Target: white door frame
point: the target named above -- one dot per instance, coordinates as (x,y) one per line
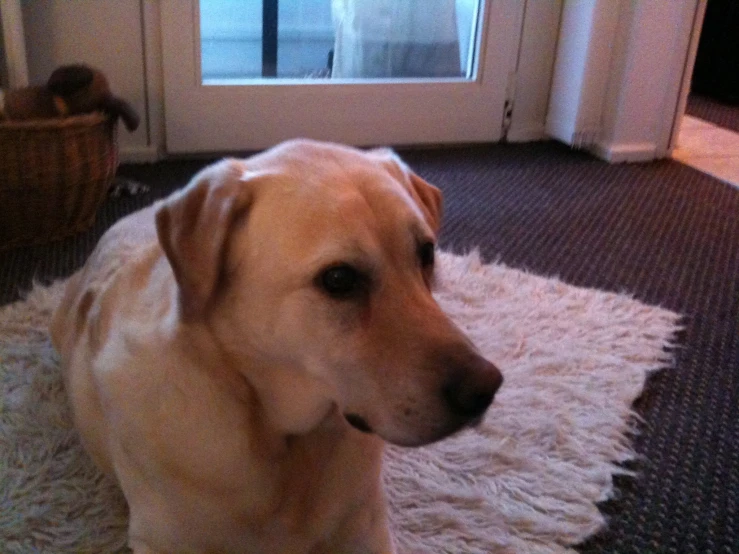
(531,84)
(16,62)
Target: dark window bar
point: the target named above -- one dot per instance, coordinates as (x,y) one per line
(269,38)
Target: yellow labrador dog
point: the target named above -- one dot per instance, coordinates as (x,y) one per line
(237,354)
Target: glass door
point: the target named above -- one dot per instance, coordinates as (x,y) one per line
(247,74)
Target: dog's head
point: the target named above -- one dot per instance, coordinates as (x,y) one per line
(312,265)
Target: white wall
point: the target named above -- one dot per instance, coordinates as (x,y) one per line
(645,79)
(618,75)
(3,65)
(106,34)
(584,52)
(15,69)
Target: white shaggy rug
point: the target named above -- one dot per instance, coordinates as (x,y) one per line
(527,480)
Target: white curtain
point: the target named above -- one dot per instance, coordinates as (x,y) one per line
(395,38)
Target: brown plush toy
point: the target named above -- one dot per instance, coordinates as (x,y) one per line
(71,90)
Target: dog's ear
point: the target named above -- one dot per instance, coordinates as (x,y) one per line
(429,198)
(426,195)
(193,227)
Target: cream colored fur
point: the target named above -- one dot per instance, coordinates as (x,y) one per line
(214,377)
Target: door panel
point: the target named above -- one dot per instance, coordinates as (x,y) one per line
(353,71)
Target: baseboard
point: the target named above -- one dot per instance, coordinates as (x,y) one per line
(582,137)
(626,153)
(139,154)
(531,133)
(560,128)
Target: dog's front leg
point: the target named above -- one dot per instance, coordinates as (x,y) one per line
(368,533)
(380,543)
(384,542)
(381,546)
(140,548)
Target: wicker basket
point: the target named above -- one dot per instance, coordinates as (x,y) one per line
(54,174)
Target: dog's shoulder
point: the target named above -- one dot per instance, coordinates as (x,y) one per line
(115,282)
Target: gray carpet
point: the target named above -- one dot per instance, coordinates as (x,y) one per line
(661,231)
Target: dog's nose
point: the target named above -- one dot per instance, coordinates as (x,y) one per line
(470,390)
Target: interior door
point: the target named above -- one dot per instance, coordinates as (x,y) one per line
(247,74)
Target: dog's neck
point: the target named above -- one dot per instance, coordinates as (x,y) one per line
(286,401)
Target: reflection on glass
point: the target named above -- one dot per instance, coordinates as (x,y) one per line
(340,39)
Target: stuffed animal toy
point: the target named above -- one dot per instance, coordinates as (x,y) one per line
(71,90)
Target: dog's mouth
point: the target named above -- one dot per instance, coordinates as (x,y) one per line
(358,422)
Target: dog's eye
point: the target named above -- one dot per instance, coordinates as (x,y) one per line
(426,253)
(340,281)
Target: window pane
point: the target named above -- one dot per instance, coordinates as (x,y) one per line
(340,39)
